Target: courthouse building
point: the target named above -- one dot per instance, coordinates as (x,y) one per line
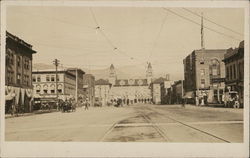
(204,74)
(130,90)
(234,62)
(18,73)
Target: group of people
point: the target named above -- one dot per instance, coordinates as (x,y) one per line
(67,105)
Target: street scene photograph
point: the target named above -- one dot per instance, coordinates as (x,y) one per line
(124,74)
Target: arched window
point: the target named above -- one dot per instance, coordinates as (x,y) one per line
(52,88)
(59,88)
(38,89)
(214,68)
(45,89)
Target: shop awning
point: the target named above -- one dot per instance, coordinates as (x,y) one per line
(188,95)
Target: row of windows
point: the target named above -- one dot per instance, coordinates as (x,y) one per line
(26,80)
(52,91)
(231,71)
(49,78)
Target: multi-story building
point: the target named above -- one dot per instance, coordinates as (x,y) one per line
(234,62)
(102,90)
(79,86)
(159,88)
(131,90)
(204,74)
(89,88)
(44,84)
(177,92)
(18,72)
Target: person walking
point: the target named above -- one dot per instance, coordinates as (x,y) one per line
(87,104)
(183,102)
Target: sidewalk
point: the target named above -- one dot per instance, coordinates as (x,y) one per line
(29,114)
(213,108)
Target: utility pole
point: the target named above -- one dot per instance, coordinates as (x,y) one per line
(202,48)
(56,63)
(76,85)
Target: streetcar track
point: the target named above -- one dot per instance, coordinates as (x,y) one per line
(108,132)
(194,128)
(157,128)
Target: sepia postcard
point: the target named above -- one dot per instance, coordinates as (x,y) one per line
(124,79)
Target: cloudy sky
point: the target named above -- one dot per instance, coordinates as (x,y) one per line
(125,36)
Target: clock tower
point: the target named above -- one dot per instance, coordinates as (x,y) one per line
(112,74)
(149,73)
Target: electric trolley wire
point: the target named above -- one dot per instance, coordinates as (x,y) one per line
(157,36)
(188,10)
(213,30)
(100,29)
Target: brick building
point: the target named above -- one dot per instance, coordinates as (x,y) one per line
(234,62)
(89,88)
(177,92)
(44,84)
(159,90)
(204,74)
(79,86)
(18,73)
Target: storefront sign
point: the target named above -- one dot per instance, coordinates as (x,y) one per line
(218,80)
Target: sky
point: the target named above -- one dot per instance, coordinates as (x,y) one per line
(126,35)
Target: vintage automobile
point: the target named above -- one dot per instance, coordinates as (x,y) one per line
(232,99)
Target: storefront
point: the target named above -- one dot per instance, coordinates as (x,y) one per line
(21,98)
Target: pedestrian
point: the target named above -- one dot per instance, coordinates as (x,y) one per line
(87,104)
(183,102)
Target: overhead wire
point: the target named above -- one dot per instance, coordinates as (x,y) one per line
(100,29)
(205,18)
(157,36)
(208,28)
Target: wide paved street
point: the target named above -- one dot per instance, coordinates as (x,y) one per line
(135,123)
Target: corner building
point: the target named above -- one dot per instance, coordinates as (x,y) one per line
(204,75)
(18,74)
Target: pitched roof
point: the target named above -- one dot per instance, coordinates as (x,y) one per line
(102,82)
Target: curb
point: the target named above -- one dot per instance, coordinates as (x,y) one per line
(30,114)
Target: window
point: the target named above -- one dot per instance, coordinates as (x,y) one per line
(214,68)
(34,78)
(27,64)
(52,88)
(38,89)
(18,61)
(234,71)
(47,78)
(18,78)
(28,78)
(45,89)
(39,78)
(59,88)
(227,72)
(202,83)
(52,78)
(202,72)
(230,72)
